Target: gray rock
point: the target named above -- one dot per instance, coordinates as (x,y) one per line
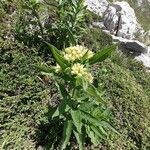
(140,51)
(131,45)
(120,20)
(144,58)
(97,6)
(99,24)
(121,23)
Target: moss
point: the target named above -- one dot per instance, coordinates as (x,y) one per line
(23,98)
(92,17)
(96,39)
(128,92)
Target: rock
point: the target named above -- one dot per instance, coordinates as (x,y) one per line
(97,6)
(133,46)
(99,25)
(140,51)
(144,58)
(139,2)
(120,20)
(121,24)
(143,2)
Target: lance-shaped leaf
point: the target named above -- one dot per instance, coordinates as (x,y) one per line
(98,132)
(44,68)
(94,121)
(108,126)
(61,109)
(71,36)
(85,56)
(67,133)
(92,92)
(80,140)
(76,117)
(88,117)
(65,102)
(58,56)
(94,138)
(62,90)
(102,55)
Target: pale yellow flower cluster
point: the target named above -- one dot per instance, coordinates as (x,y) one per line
(79,70)
(57,68)
(76,53)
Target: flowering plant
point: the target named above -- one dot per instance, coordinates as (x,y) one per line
(81,103)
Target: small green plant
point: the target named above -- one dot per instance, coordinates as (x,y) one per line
(70,24)
(79,97)
(58,22)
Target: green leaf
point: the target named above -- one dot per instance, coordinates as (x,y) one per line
(98,132)
(67,77)
(103,130)
(76,117)
(79,139)
(66,133)
(71,36)
(44,68)
(102,55)
(62,90)
(88,117)
(94,138)
(65,103)
(92,91)
(58,57)
(85,56)
(56,113)
(61,109)
(88,106)
(108,126)
(100,124)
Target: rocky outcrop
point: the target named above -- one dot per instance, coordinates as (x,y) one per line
(97,6)
(144,58)
(120,20)
(140,51)
(133,46)
(121,23)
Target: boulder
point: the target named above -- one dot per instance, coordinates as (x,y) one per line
(144,58)
(133,46)
(140,51)
(120,20)
(97,6)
